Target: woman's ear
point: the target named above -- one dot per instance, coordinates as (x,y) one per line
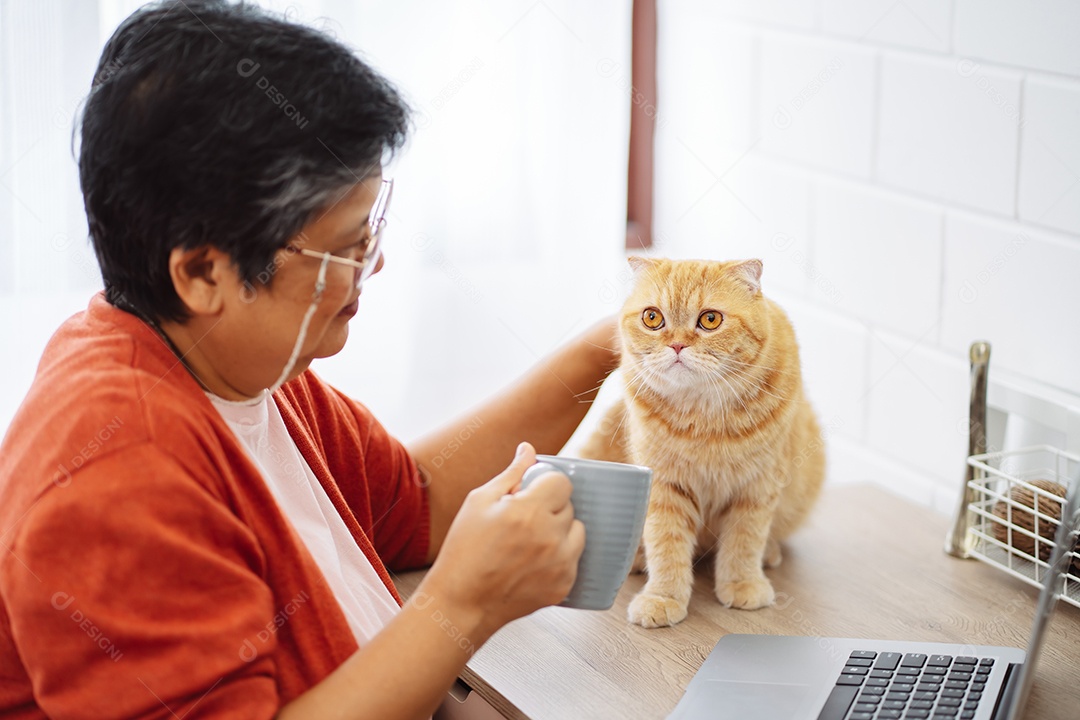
(200,278)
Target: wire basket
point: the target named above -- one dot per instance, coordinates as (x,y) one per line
(1013,513)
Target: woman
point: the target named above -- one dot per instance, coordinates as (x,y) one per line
(194,524)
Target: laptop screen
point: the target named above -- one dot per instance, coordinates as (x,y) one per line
(1053,584)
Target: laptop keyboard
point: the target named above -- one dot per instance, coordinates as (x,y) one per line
(876,685)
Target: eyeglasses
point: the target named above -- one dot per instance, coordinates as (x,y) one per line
(366,265)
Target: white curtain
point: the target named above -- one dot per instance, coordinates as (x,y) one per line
(506,231)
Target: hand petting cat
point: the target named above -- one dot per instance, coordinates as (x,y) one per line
(714,405)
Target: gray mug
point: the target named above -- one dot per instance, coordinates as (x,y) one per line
(611,499)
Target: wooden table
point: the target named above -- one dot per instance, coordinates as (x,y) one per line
(867,565)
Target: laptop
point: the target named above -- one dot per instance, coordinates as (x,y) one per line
(773,677)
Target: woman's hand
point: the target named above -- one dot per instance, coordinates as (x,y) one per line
(509,551)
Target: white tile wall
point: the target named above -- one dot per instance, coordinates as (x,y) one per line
(768,211)
(925,24)
(1018,286)
(918,406)
(880,257)
(950,131)
(690,200)
(796,13)
(833,354)
(921,164)
(1040,35)
(848,461)
(1050,154)
(817,103)
(746,207)
(700,138)
(700,49)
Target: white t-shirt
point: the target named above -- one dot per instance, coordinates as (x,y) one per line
(364,599)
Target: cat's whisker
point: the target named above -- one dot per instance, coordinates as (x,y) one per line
(759,387)
(754,382)
(595,345)
(734,392)
(744,372)
(729,359)
(723,413)
(714,385)
(639,374)
(740,374)
(644,374)
(590,390)
(723,418)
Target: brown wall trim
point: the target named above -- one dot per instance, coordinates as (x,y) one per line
(639,194)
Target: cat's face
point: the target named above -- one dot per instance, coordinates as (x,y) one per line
(692,325)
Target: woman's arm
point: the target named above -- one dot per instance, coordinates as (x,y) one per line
(476,587)
(544,408)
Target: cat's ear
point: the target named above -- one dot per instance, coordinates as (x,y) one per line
(749,271)
(638,263)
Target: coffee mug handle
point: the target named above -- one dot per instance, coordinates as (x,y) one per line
(535,471)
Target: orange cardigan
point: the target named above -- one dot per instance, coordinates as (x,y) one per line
(145,569)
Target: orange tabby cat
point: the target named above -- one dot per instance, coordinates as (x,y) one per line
(714,404)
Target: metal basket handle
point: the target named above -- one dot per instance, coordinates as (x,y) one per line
(958,541)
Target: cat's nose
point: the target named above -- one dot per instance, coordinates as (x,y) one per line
(677,347)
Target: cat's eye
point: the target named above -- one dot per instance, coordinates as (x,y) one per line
(710,320)
(652,318)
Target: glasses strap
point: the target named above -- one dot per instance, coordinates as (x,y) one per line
(316,298)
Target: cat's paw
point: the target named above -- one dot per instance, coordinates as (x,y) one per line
(746,594)
(639,560)
(773,554)
(653,611)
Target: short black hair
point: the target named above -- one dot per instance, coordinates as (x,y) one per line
(220,124)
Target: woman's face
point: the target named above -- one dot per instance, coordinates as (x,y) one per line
(252,338)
